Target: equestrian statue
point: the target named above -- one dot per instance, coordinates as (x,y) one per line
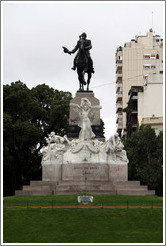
(82,61)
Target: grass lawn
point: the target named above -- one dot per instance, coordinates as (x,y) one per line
(83,225)
(62,200)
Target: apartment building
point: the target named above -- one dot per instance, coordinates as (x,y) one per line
(135,62)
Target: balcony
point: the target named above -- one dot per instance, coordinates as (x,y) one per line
(119,119)
(118,106)
(119,68)
(132,122)
(118,97)
(134,111)
(134,125)
(119,51)
(119,71)
(119,56)
(134,97)
(119,80)
(120,113)
(118,62)
(118,76)
(119,88)
(119,84)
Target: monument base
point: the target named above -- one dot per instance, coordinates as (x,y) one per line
(85,179)
(85,171)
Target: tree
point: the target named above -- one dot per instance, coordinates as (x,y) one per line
(29,116)
(145,154)
(51,109)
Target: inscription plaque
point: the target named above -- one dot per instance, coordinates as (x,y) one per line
(85,199)
(85,172)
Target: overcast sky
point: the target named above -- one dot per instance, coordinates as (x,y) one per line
(33,34)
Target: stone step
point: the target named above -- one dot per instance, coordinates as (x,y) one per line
(141,187)
(32,192)
(136,192)
(97,192)
(40,182)
(83,192)
(83,182)
(127,183)
(84,187)
(38,187)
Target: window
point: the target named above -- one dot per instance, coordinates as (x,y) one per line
(146,56)
(146,76)
(153,56)
(119,90)
(147,67)
(157,56)
(153,67)
(145,79)
(120,121)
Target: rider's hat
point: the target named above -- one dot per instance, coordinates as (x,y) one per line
(84,34)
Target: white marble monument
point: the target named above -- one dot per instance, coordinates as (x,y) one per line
(85,157)
(84,165)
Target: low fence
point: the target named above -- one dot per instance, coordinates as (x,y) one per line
(75,204)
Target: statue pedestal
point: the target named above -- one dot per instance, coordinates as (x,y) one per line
(97,126)
(85,172)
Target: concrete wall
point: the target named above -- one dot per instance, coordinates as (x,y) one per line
(150,102)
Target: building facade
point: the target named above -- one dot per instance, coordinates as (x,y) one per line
(150,102)
(135,62)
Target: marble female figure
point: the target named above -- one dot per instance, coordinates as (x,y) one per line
(86,112)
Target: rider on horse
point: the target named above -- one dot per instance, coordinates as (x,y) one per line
(86,44)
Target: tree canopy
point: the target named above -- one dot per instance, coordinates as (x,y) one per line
(145,154)
(29,116)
